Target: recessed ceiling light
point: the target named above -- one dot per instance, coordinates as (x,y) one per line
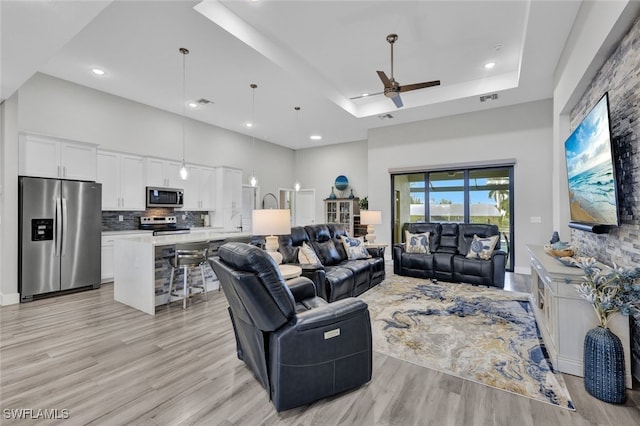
(97,71)
(192,105)
(248,124)
(315,137)
(489,65)
(364,95)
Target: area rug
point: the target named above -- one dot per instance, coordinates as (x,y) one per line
(485,335)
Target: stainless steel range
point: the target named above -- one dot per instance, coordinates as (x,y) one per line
(162,225)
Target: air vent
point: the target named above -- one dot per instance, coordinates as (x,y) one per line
(491,97)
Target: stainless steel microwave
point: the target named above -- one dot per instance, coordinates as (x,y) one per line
(164,197)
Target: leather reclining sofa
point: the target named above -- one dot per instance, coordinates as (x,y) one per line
(336,277)
(449,244)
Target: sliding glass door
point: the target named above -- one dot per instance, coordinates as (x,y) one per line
(482,195)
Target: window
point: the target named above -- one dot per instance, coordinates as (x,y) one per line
(481,195)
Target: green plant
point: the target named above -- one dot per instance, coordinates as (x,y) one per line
(610,290)
(363,203)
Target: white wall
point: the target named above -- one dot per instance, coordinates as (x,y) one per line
(59,108)
(319,167)
(9,203)
(55,107)
(521,132)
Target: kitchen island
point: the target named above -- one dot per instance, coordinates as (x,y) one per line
(137,260)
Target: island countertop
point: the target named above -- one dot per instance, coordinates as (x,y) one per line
(200,235)
(135,257)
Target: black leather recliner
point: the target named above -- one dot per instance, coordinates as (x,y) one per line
(299,347)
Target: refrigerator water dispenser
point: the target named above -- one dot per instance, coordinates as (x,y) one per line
(41,229)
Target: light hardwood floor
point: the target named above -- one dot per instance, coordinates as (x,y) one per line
(110,364)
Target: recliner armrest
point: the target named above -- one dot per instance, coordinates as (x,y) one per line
(331,313)
(301,288)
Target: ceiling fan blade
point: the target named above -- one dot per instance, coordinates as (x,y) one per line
(419,86)
(396,100)
(385,79)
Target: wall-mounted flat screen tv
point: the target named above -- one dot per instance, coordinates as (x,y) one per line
(591,171)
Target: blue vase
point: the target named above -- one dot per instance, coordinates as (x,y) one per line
(332,196)
(604,365)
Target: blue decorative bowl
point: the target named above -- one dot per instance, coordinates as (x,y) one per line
(341,183)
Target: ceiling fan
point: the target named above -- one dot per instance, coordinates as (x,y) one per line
(392,88)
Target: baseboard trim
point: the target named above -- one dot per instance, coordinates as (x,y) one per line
(523,270)
(9,299)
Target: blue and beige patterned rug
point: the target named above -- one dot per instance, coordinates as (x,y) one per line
(485,335)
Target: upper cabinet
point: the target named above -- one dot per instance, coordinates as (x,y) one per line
(164,173)
(200,188)
(228,198)
(123,180)
(49,157)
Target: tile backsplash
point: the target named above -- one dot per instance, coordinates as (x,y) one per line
(131,219)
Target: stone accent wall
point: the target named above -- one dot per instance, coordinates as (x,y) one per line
(619,77)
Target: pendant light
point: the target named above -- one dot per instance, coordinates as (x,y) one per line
(297,185)
(184,173)
(252,180)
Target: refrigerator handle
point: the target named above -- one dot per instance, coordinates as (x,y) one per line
(64,226)
(58,226)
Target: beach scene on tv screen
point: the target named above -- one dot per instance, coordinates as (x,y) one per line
(592,192)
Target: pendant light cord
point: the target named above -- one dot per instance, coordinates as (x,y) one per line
(185,52)
(253,133)
(297,168)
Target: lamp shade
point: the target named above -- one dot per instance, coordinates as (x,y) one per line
(271,222)
(371,217)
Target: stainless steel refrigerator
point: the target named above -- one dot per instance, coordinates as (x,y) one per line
(60,224)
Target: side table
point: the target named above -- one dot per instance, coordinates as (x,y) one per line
(290,271)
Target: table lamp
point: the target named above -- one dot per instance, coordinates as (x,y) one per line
(272,222)
(370,218)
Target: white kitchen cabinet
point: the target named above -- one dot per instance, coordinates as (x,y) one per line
(228,198)
(200,189)
(45,156)
(123,180)
(108,251)
(564,316)
(163,173)
(107,259)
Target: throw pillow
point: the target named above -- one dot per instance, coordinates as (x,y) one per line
(354,247)
(482,248)
(307,256)
(416,243)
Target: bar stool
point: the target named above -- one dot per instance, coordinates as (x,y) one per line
(188,256)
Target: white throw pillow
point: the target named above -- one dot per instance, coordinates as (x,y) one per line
(307,256)
(354,247)
(416,243)
(482,248)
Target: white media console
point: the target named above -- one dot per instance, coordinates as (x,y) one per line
(564,316)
